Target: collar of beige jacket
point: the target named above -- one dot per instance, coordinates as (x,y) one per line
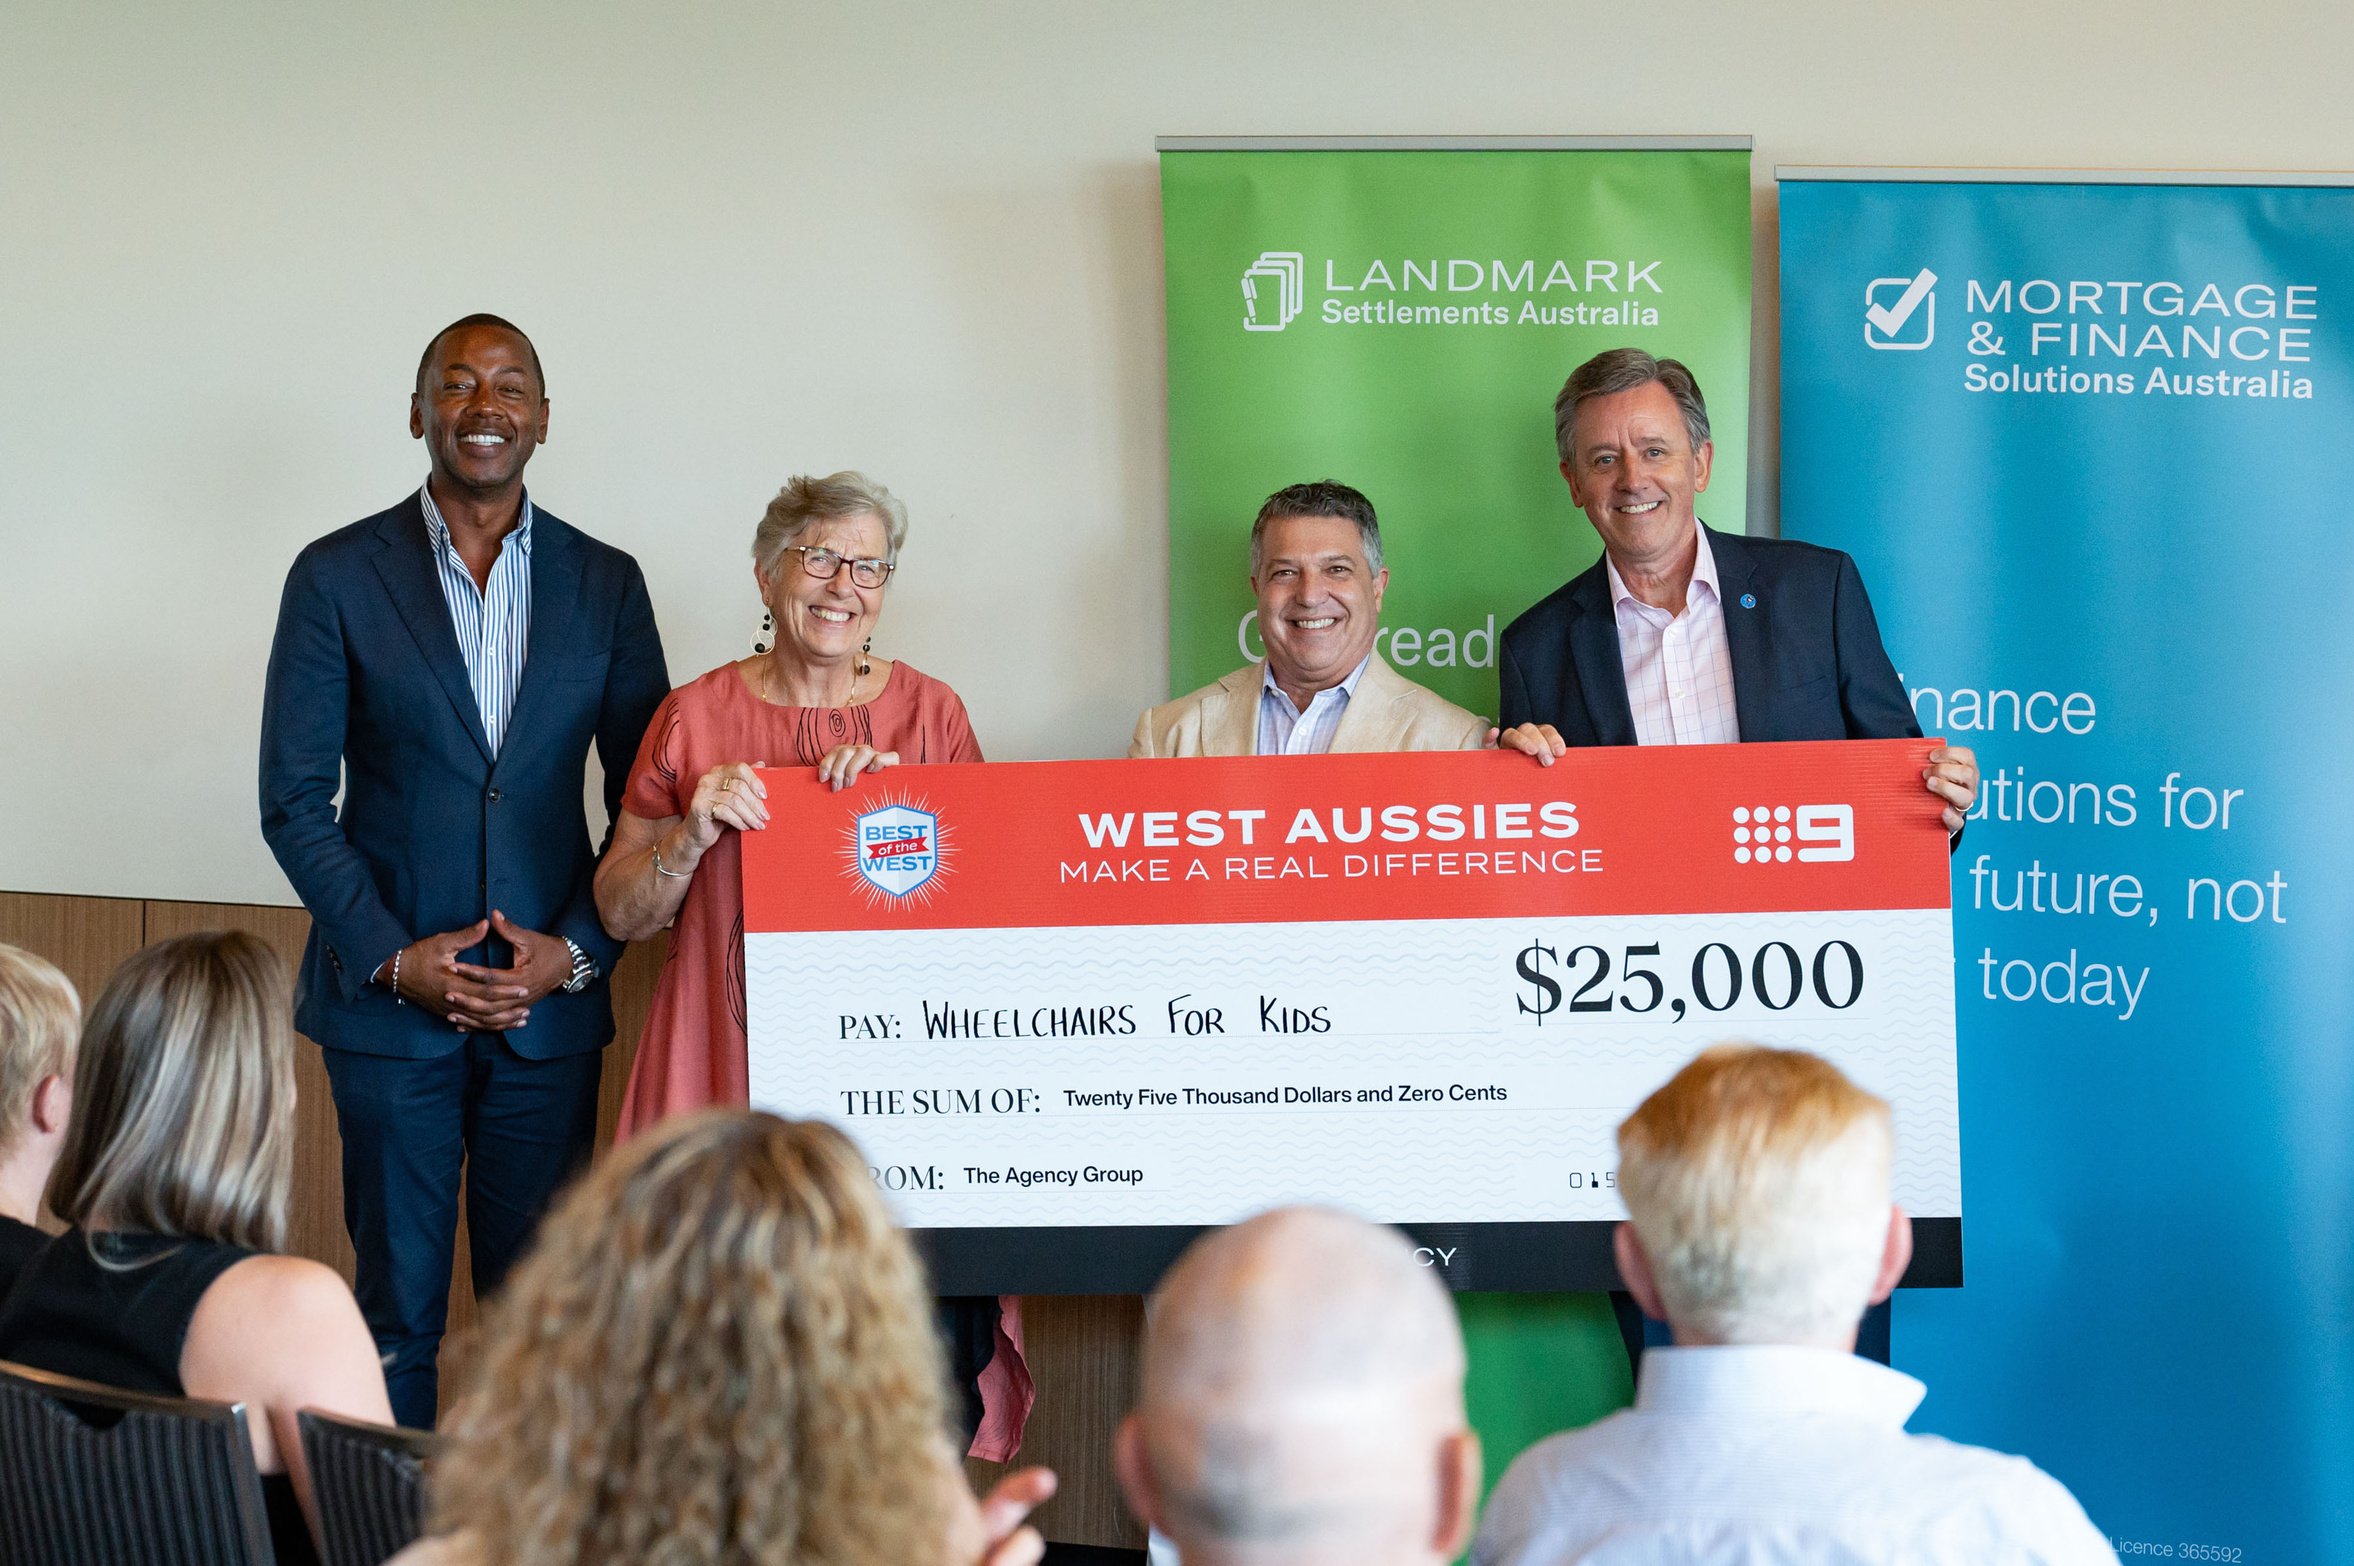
(1236,726)
(1230,720)
(1367,723)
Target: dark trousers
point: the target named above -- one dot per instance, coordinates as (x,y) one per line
(968,1325)
(519,1129)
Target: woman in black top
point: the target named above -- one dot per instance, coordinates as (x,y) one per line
(40,1018)
(174,1176)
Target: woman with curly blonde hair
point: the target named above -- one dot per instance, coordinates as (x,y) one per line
(721,1351)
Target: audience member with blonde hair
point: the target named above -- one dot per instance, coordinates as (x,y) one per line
(1302,1402)
(40,1021)
(174,1176)
(1761,1227)
(721,1351)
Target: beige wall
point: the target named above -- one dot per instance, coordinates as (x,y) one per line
(922,239)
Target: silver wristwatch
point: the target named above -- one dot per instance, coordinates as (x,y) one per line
(584,972)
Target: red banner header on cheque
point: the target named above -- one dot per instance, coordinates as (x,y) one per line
(1439,835)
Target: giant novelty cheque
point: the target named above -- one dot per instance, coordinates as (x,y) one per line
(1075,1011)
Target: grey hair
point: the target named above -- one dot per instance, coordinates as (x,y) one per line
(1616,370)
(183,1118)
(804,500)
(40,1021)
(1324,498)
(1276,1338)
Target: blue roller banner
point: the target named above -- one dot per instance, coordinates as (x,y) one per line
(2092,446)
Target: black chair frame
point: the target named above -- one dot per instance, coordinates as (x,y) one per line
(92,1475)
(368,1481)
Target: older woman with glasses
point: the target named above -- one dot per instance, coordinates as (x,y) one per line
(812,694)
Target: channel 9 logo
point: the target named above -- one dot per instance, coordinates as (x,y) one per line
(1285,271)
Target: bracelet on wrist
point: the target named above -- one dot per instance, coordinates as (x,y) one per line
(663,870)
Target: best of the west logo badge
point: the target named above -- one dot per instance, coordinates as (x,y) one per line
(896,851)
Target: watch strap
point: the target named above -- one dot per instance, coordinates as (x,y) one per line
(584,969)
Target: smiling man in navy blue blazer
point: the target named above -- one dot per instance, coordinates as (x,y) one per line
(1680,634)
(447,664)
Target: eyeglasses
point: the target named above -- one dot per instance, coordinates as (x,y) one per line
(825,564)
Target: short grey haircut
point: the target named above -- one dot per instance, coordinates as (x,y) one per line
(804,500)
(1270,1342)
(1758,1181)
(40,1024)
(1616,370)
(1324,498)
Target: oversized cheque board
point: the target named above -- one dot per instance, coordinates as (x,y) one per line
(1075,1011)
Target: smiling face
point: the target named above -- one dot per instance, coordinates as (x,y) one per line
(822,623)
(1634,473)
(1319,603)
(479,408)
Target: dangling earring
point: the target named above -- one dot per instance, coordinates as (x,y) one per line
(865,668)
(764,639)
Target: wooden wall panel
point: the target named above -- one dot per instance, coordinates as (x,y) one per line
(84,936)
(633,996)
(1084,1352)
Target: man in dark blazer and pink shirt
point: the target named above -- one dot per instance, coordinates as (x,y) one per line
(1682,635)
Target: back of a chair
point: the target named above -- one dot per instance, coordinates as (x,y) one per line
(92,1476)
(369,1483)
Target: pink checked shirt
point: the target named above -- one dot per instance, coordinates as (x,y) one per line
(1679,667)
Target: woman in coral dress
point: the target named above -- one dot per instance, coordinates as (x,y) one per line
(815,698)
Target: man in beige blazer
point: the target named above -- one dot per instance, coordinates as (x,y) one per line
(1316,567)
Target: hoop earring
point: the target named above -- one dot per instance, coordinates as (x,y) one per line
(764,639)
(865,668)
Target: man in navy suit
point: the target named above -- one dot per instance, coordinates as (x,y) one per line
(1682,635)
(447,664)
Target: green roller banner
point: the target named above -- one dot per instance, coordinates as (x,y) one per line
(1400,319)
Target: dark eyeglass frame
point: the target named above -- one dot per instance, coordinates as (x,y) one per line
(826,564)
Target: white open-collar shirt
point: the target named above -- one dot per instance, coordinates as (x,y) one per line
(1679,667)
(1284,730)
(1761,1455)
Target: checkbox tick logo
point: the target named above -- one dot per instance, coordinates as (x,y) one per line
(1890,306)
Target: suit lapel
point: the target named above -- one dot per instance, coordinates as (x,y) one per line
(1593,651)
(1230,719)
(555,602)
(1366,723)
(1748,633)
(414,584)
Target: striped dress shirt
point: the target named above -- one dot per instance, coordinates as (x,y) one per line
(1284,730)
(493,625)
(1679,667)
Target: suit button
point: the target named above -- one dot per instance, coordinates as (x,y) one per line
(494,796)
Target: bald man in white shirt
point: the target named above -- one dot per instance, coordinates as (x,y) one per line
(1757,1185)
(1302,1402)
